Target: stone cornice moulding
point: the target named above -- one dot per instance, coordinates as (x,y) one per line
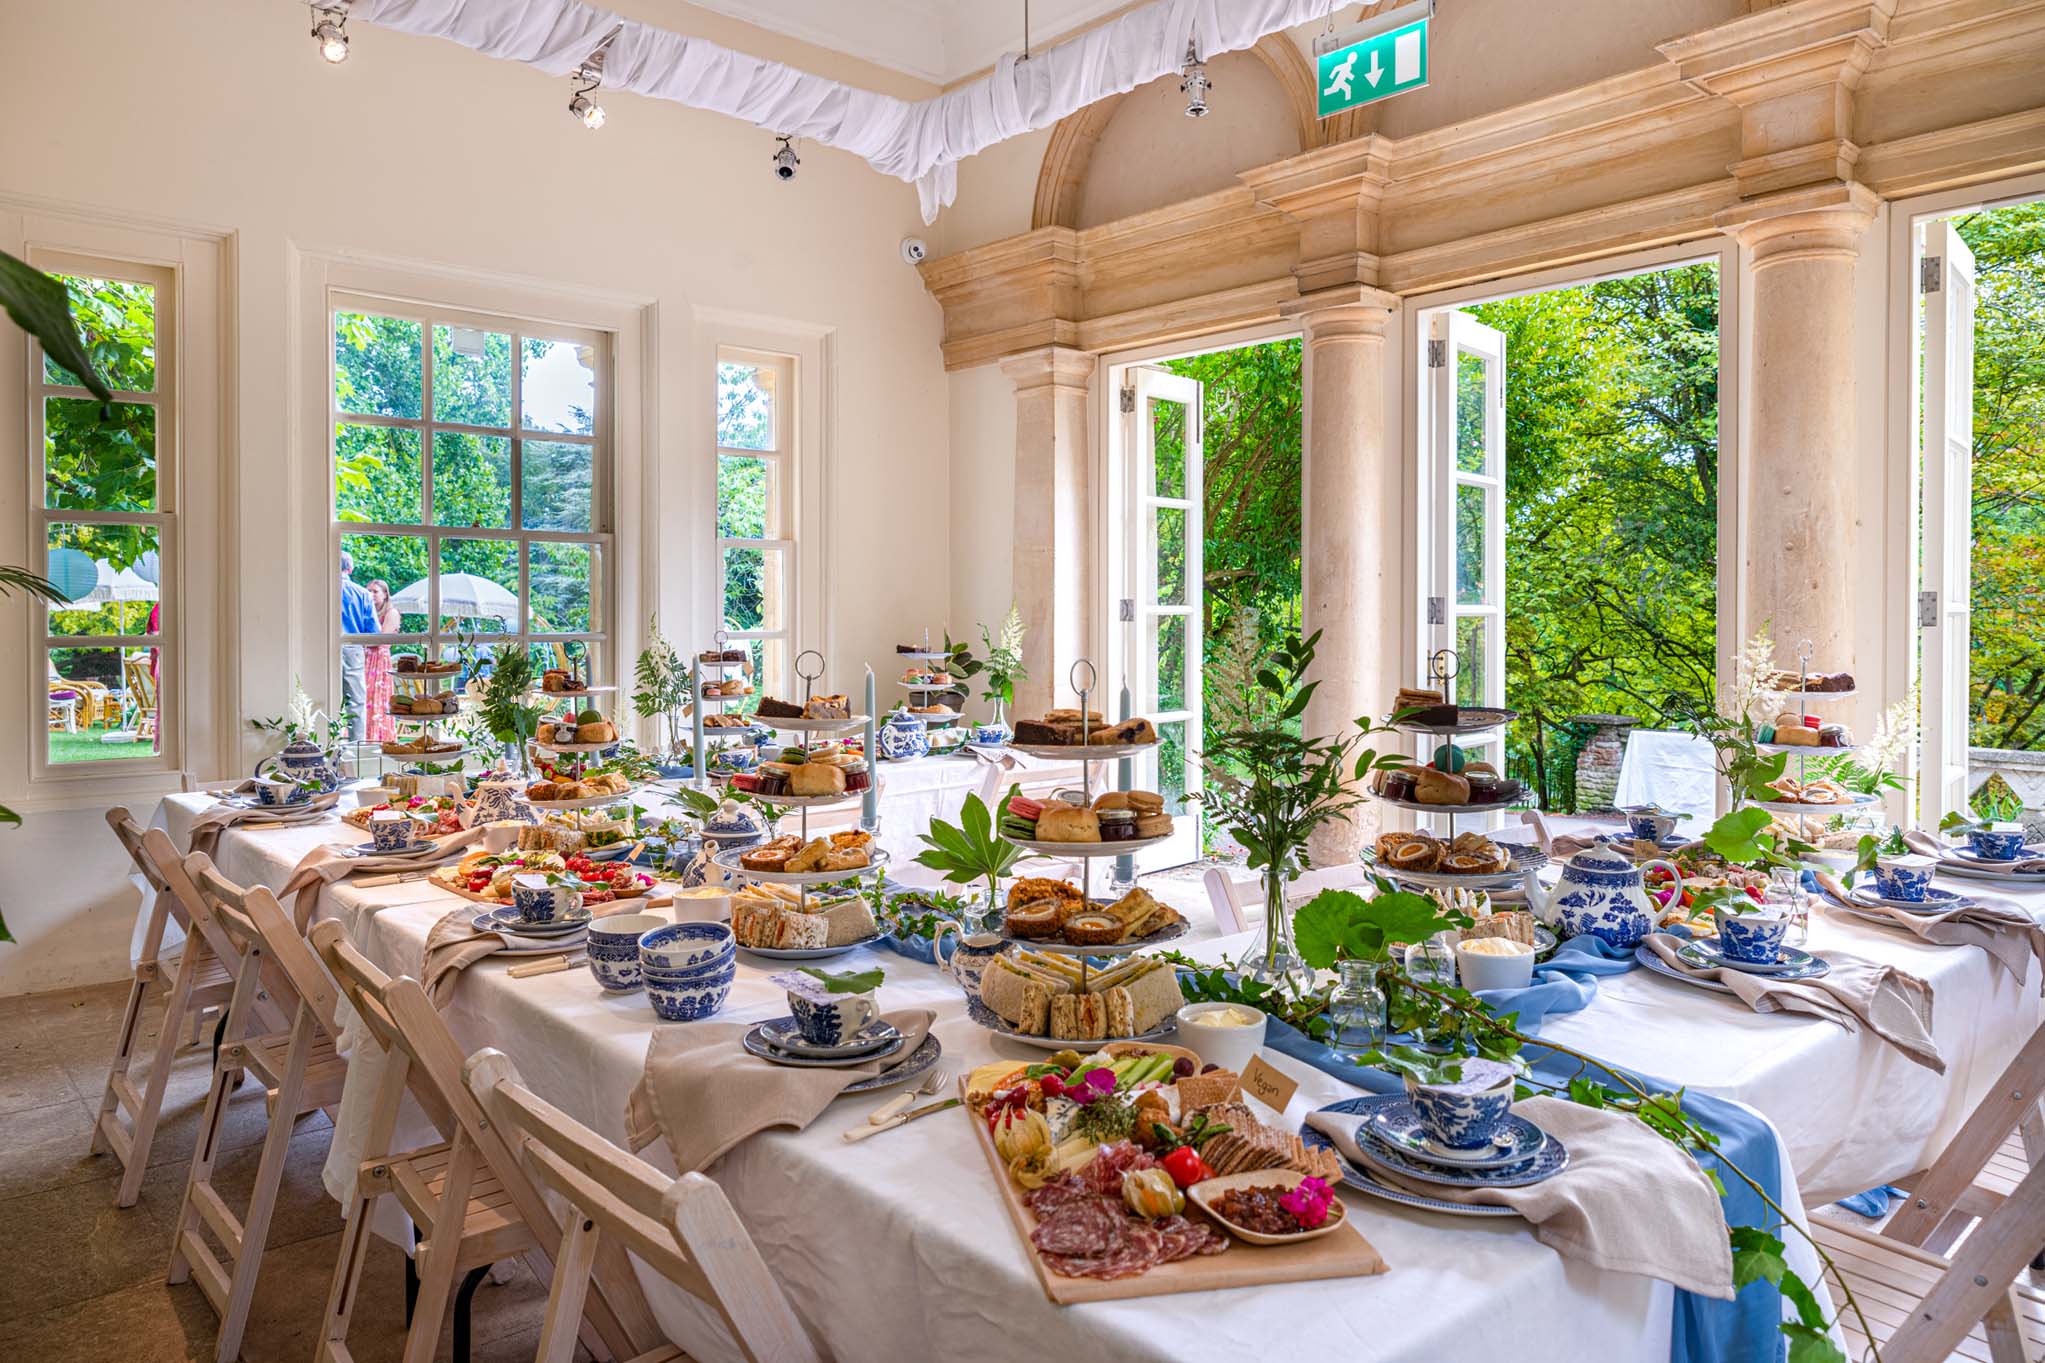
(1821,222)
(1059,367)
(1946,158)
(1786,42)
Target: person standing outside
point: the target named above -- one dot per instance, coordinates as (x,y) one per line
(358,616)
(382,728)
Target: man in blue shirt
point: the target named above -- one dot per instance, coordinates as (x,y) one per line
(358,616)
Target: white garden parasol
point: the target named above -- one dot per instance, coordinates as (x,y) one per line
(463,595)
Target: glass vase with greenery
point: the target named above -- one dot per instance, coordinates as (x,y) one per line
(505,708)
(1270,786)
(972,850)
(1002,668)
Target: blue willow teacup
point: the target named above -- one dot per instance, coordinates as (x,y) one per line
(2001,842)
(1649,823)
(1465,1115)
(390,831)
(540,901)
(1750,938)
(270,791)
(1905,876)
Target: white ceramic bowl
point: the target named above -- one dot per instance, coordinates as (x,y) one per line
(1480,971)
(1206,1192)
(703,904)
(1228,1047)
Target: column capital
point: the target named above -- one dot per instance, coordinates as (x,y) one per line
(1347,312)
(1050,366)
(1817,223)
(1334,194)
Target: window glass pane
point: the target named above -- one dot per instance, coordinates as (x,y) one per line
(748,498)
(557,387)
(745,406)
(376,475)
(754,585)
(117,322)
(391,570)
(99,461)
(472,480)
(579,654)
(376,365)
(103,704)
(110,575)
(1171,662)
(1472,633)
(471,376)
(1171,556)
(479,586)
(1168,427)
(1171,765)
(565,581)
(1470,545)
(559,485)
(1470,412)
(771,674)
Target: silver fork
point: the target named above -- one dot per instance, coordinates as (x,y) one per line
(938,1080)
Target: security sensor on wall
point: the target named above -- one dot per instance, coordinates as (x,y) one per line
(785,161)
(914,249)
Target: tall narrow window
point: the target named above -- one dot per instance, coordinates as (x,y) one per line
(107,474)
(471,495)
(756,512)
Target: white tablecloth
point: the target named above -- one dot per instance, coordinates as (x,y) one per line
(898,1247)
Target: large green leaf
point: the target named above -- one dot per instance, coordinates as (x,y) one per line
(39,305)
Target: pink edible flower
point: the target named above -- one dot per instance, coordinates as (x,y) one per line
(1308,1202)
(1093,1084)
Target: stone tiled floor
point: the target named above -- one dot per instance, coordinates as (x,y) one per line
(84,1281)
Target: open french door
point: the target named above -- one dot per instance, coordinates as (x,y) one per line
(1945,585)
(1465,561)
(1165,576)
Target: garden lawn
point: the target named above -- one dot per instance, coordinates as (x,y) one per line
(86,747)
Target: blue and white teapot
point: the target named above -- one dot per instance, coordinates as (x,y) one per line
(730,827)
(306,763)
(902,738)
(1602,894)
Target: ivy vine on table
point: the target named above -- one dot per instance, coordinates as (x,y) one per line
(1339,925)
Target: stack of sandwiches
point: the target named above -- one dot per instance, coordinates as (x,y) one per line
(1044,995)
(773,916)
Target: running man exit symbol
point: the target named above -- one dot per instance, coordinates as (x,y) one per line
(1381,65)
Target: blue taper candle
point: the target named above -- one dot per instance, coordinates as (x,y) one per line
(696,718)
(869,809)
(1125,774)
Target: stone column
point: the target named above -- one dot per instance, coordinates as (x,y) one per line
(1052,555)
(1351,538)
(1796,533)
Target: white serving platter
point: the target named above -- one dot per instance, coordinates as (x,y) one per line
(587,802)
(877,858)
(810,726)
(1083,752)
(1087,849)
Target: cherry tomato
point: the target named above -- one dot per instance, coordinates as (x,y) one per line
(1186,1167)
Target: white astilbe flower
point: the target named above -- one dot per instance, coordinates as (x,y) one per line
(1752,666)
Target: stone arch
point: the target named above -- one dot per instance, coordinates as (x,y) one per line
(1062,175)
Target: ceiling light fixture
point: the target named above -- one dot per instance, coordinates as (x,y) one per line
(785,160)
(1193,83)
(588,77)
(330,27)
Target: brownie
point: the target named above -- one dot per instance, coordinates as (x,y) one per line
(1037,731)
(771,708)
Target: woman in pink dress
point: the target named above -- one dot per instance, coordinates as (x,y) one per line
(377,665)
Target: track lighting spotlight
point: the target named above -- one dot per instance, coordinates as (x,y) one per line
(581,105)
(1193,83)
(330,27)
(785,161)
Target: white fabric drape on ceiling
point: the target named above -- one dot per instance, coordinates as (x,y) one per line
(919,141)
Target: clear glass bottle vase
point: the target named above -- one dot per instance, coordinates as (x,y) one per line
(1358,1006)
(1277,960)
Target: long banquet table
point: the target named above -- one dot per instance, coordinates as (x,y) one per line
(898,1246)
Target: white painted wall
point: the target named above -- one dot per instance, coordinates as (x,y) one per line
(424,153)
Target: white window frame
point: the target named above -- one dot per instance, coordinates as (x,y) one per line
(165,400)
(784,461)
(603,508)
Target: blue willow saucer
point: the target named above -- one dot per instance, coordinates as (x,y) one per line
(506,919)
(1362,1182)
(1706,955)
(1393,1124)
(783,1034)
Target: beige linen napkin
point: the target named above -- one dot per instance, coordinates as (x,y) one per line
(704,1093)
(1940,849)
(326,864)
(452,946)
(1631,1201)
(207,825)
(1998,927)
(1893,1004)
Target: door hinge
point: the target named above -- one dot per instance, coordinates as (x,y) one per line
(1927,609)
(1437,353)
(1930,274)
(1128,611)
(1128,399)
(1437,610)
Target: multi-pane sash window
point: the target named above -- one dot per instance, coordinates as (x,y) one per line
(471,465)
(756,512)
(106,474)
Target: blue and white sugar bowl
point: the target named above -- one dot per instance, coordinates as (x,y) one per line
(1464,1115)
(825,1018)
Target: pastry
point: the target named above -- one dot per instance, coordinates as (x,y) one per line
(1415,698)
(774,859)
(1060,822)
(1431,787)
(849,839)
(1044,732)
(1797,736)
(853,860)
(827,707)
(1037,920)
(1153,825)
(1134,911)
(1030,889)
(816,778)
(1094,928)
(811,856)
(603,731)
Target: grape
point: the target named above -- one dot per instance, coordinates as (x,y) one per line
(1182,1067)
(1209,1069)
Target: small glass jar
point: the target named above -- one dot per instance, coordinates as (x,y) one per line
(1357,1007)
(1786,895)
(1432,962)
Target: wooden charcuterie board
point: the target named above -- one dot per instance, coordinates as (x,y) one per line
(1340,1254)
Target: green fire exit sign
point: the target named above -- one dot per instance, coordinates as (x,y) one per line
(1388,63)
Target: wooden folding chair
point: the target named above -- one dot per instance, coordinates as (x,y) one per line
(204,982)
(468,1196)
(299,1068)
(682,1228)
(1926,1300)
